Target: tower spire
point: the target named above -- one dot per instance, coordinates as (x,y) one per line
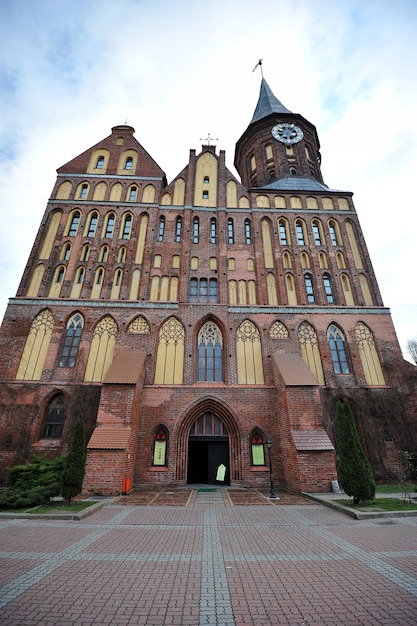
(267,103)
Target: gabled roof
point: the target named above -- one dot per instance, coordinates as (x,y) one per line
(267,104)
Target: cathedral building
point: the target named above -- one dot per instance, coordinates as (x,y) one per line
(192,321)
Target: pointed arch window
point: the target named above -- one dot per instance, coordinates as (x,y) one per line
(109,228)
(160,446)
(83,191)
(101,350)
(170,356)
(283,237)
(368,355)
(309,349)
(213,230)
(328,288)
(100,163)
(129,163)
(161,230)
(178,228)
(210,353)
(334,236)
(66,252)
(104,254)
(92,224)
(230,231)
(308,281)
(316,233)
(196,230)
(257,449)
(248,234)
(249,355)
(133,193)
(75,221)
(336,342)
(127,226)
(71,341)
(85,252)
(300,233)
(55,418)
(36,347)
(121,257)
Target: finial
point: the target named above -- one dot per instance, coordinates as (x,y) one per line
(260,65)
(208,139)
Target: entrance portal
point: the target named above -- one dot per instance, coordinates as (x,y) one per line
(208,448)
(204,458)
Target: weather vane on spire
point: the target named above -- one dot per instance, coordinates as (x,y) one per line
(260,65)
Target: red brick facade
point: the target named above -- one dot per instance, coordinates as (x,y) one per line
(117,226)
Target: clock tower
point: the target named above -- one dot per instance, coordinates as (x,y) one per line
(279,149)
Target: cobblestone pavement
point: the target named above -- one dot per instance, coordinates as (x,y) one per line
(209,563)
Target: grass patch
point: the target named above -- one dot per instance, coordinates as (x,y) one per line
(391,489)
(380,504)
(74,507)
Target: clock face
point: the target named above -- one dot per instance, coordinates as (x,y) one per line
(287,133)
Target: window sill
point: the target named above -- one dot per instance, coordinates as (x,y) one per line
(158,468)
(259,468)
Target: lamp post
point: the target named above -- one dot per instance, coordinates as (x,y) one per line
(272,495)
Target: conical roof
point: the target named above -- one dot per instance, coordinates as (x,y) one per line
(267,104)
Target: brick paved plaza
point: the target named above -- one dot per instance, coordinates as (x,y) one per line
(209,562)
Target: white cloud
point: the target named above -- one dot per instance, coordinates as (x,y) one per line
(178,70)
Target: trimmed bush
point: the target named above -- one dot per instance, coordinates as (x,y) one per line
(354,471)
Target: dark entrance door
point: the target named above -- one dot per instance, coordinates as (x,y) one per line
(204,457)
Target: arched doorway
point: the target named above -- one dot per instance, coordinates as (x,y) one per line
(208,448)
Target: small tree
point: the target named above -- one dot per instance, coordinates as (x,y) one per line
(412,349)
(354,471)
(404,474)
(74,470)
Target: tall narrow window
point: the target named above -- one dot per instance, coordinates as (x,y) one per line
(178,229)
(337,350)
(257,449)
(75,221)
(328,288)
(104,253)
(170,356)
(83,191)
(309,349)
(161,229)
(248,235)
(193,290)
(283,233)
(308,281)
(212,290)
(72,340)
(100,163)
(55,418)
(133,192)
(300,233)
(121,257)
(368,355)
(333,234)
(213,230)
(36,347)
(159,456)
(129,163)
(249,355)
(196,230)
(85,252)
(230,231)
(110,226)
(92,225)
(101,350)
(66,252)
(210,348)
(316,233)
(127,226)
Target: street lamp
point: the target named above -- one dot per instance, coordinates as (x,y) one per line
(272,495)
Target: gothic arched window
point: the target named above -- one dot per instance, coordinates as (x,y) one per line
(337,350)
(55,418)
(170,356)
(308,281)
(248,235)
(101,350)
(178,228)
(210,353)
(309,349)
(249,355)
(72,341)
(160,445)
(257,448)
(368,355)
(36,347)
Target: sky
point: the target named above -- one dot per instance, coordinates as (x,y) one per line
(177,70)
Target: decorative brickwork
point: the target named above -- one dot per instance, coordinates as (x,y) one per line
(249,306)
